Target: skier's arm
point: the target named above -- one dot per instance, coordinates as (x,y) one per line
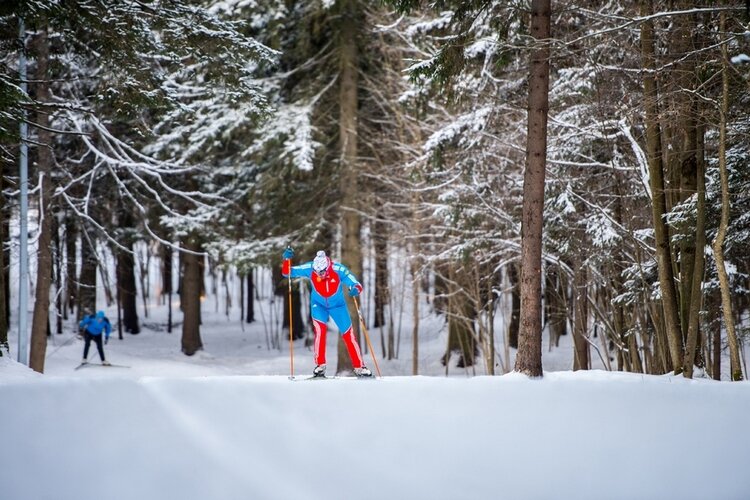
(355,287)
(84,322)
(302,271)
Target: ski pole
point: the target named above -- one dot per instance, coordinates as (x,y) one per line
(367,336)
(291,328)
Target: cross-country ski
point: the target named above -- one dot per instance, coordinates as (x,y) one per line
(89,365)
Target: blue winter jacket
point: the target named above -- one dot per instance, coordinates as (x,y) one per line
(326,291)
(96,324)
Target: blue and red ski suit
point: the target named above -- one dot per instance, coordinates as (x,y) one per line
(327,301)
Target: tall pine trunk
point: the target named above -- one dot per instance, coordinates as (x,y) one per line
(462,313)
(126,275)
(250,297)
(656,181)
(4,346)
(87,278)
(167,278)
(415,284)
(351,250)
(529,356)
(684,149)
(191,296)
(735,368)
(40,318)
(515,305)
(70,265)
(58,265)
(6,267)
(380,245)
(580,320)
(696,293)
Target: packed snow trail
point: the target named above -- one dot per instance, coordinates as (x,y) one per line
(584,435)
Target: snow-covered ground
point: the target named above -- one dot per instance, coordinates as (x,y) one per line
(227,423)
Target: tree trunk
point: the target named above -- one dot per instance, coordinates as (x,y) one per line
(40,318)
(87,279)
(716,334)
(684,147)
(143,275)
(656,181)
(661,361)
(515,305)
(580,320)
(415,284)
(351,251)
(380,245)
(167,278)
(440,298)
(529,356)
(555,305)
(6,267)
(415,330)
(382,291)
(127,291)
(486,281)
(70,265)
(126,276)
(696,293)
(462,314)
(735,368)
(166,274)
(297,321)
(4,346)
(191,296)
(59,296)
(250,297)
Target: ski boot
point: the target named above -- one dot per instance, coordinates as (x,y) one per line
(319,371)
(363,372)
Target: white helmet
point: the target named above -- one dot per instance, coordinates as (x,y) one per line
(321,262)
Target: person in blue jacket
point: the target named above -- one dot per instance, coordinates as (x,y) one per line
(94,326)
(327,301)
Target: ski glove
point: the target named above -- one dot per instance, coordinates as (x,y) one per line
(355,291)
(288,253)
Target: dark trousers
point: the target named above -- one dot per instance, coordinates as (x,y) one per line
(96,338)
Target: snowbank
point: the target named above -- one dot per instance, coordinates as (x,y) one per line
(570,435)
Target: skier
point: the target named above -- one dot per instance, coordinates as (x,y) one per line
(327,301)
(93,327)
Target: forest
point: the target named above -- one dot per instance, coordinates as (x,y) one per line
(584,162)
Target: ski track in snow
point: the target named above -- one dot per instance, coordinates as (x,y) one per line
(583,435)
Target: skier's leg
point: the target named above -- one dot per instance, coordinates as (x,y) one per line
(353,347)
(99,346)
(86,344)
(320,325)
(343,322)
(320,341)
